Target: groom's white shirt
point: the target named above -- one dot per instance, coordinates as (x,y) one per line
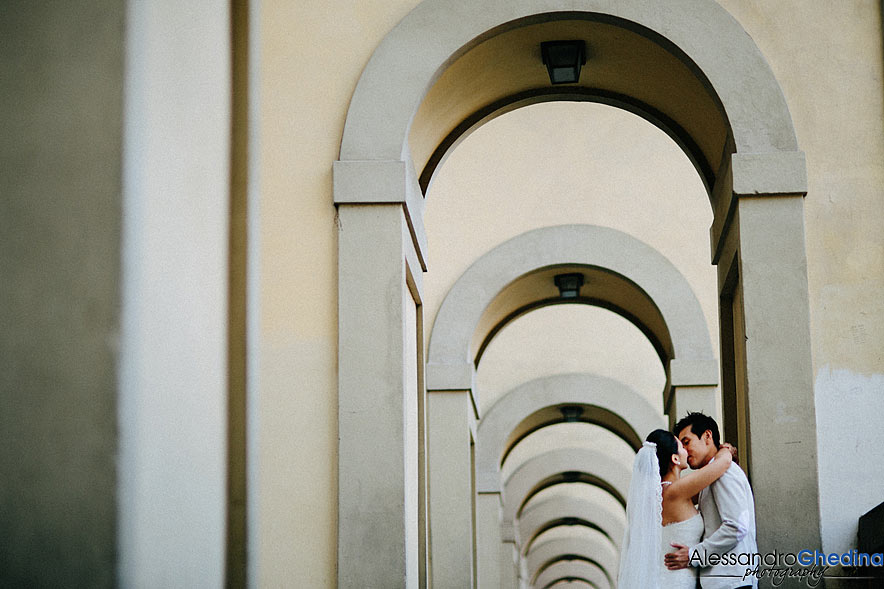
(728,509)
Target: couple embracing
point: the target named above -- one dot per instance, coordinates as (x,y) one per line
(668,543)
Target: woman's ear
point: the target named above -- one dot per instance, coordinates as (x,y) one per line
(676,460)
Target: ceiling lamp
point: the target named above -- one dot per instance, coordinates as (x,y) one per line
(569,285)
(571,413)
(563,60)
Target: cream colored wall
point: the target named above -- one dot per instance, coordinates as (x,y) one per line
(311,56)
(832,81)
(569,339)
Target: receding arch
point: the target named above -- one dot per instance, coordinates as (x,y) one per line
(759,159)
(570,521)
(581,476)
(556,511)
(436,33)
(631,276)
(537,403)
(573,569)
(593,549)
(560,466)
(566,557)
(576,411)
(569,581)
(672,128)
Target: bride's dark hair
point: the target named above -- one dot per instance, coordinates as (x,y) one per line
(667,445)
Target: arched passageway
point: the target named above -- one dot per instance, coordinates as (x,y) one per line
(584,570)
(589,549)
(563,465)
(559,511)
(534,405)
(727,112)
(623,275)
(546,401)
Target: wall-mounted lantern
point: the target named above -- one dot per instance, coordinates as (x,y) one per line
(563,60)
(571,413)
(569,285)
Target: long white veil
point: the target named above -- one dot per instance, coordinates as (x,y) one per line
(641,562)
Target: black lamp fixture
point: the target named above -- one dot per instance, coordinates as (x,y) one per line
(570,476)
(569,285)
(563,60)
(571,413)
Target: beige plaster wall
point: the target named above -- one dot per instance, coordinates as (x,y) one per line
(833,87)
(565,338)
(311,56)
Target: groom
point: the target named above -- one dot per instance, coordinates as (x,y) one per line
(728,510)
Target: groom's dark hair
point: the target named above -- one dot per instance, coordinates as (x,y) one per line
(699,423)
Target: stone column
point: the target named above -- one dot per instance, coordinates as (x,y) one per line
(173,413)
(489,540)
(451,416)
(378,289)
(779,378)
(509,564)
(451,488)
(761,255)
(509,559)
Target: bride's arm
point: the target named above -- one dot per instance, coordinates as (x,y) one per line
(692,484)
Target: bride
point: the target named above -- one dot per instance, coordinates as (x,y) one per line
(660,511)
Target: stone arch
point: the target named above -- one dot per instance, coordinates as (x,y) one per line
(594,549)
(537,518)
(570,582)
(561,465)
(534,474)
(537,403)
(437,32)
(749,147)
(573,569)
(625,275)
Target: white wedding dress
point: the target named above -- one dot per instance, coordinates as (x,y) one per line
(647,541)
(688,533)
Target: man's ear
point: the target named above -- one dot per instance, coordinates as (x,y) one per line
(707,436)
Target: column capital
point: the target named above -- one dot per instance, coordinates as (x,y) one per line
(450,377)
(507,532)
(693,372)
(769,174)
(383,182)
(774,173)
(369,182)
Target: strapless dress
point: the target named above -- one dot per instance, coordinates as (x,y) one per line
(687,532)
